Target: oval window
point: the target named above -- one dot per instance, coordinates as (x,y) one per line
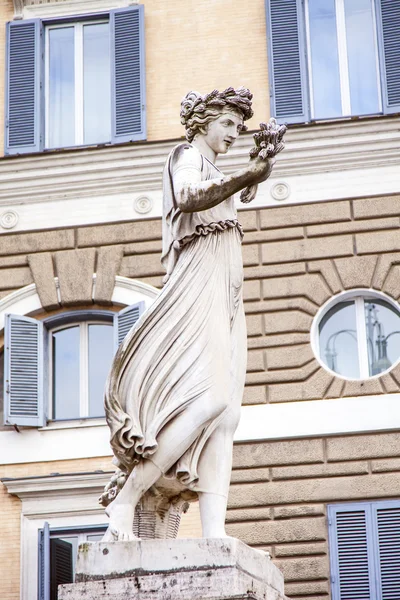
(359,336)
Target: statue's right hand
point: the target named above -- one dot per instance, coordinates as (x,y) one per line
(260,169)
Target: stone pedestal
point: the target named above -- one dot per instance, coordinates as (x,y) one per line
(192,569)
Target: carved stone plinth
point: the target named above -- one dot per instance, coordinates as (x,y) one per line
(193,569)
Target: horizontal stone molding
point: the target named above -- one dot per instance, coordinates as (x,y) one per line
(321,162)
(262,423)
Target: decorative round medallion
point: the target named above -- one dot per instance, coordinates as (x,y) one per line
(9,219)
(143,205)
(280,191)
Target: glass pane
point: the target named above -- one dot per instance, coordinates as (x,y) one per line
(382,321)
(97,83)
(338,345)
(66,373)
(362,57)
(61,88)
(324,59)
(101,353)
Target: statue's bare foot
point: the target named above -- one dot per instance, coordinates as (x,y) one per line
(121,521)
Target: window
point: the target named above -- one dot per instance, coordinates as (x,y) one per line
(56,368)
(81,356)
(72,83)
(358,336)
(57,555)
(364,543)
(78,84)
(333,58)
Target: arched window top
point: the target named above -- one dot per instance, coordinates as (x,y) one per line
(36,392)
(356,335)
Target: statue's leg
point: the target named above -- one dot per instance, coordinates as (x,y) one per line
(215,465)
(173,441)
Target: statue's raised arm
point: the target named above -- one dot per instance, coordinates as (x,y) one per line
(174,392)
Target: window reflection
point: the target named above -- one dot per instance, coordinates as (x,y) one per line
(96,83)
(66,373)
(324,59)
(61,100)
(338,340)
(81,356)
(100,357)
(362,57)
(360,338)
(382,323)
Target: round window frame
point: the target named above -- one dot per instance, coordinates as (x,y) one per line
(365,293)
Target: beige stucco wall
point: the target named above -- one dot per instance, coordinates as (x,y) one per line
(190,45)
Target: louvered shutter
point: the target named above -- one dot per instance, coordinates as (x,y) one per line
(61,567)
(44,563)
(287,61)
(124,320)
(23,87)
(388,17)
(23,372)
(388,527)
(128,74)
(351,558)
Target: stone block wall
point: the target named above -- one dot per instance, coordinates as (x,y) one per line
(280,491)
(295,258)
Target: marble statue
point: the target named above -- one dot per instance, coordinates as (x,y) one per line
(174,392)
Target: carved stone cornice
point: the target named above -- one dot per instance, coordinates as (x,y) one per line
(54,8)
(18,8)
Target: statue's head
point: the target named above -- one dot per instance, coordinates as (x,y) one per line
(228,109)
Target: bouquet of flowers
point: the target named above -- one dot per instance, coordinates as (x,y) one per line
(268,142)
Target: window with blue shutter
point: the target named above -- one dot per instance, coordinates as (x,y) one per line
(23,87)
(74,83)
(287,68)
(70,354)
(23,372)
(364,544)
(389,36)
(57,553)
(332,59)
(128,89)
(124,321)
(44,563)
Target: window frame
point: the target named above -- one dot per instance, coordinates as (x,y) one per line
(289,62)
(358,295)
(25,132)
(77,24)
(341,31)
(83,325)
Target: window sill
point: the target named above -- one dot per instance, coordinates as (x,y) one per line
(74,423)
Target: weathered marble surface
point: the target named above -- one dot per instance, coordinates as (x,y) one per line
(192,569)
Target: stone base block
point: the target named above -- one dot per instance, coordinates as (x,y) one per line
(192,569)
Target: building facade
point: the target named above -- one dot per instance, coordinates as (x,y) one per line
(91,111)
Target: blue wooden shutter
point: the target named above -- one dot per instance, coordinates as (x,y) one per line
(388,17)
(124,320)
(350,552)
(23,87)
(44,563)
(287,61)
(388,528)
(23,372)
(128,74)
(61,565)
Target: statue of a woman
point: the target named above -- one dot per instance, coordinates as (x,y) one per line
(174,392)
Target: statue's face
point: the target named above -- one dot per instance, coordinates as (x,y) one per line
(223,131)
